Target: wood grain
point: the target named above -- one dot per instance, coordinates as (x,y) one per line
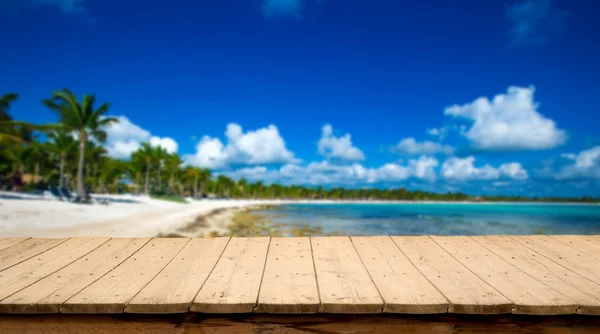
(111,293)
(28,272)
(344,283)
(403,288)
(25,250)
(289,284)
(7,242)
(233,285)
(466,292)
(583,291)
(174,288)
(582,243)
(529,295)
(564,255)
(48,295)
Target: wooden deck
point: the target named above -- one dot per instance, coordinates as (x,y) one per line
(540,275)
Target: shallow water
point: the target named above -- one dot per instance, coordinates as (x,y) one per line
(441,218)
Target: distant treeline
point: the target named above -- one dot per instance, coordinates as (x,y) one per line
(71,155)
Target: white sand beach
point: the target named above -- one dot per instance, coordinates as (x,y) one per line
(126,216)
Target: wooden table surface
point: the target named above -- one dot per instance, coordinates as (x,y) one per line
(540,275)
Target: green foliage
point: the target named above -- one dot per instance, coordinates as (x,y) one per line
(60,160)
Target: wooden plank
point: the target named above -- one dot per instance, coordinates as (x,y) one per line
(583,291)
(48,295)
(28,272)
(111,293)
(466,292)
(582,243)
(403,288)
(564,255)
(529,295)
(174,288)
(25,250)
(7,242)
(289,284)
(344,283)
(233,285)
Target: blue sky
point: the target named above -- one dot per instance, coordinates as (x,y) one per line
(479,96)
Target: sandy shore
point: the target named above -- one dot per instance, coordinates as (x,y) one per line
(125,216)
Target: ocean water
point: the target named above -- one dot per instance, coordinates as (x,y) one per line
(440,218)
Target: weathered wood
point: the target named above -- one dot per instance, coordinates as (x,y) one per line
(344,283)
(25,250)
(466,292)
(111,293)
(529,295)
(48,295)
(564,255)
(7,242)
(289,284)
(28,272)
(582,243)
(233,285)
(403,288)
(581,290)
(174,288)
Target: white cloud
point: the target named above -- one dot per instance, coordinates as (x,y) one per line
(326,173)
(509,122)
(410,146)
(333,147)
(585,165)
(282,8)
(441,133)
(463,169)
(262,146)
(125,138)
(514,171)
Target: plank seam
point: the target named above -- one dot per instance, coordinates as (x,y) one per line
(469,269)
(535,279)
(210,273)
(368,273)
(101,276)
(551,259)
(16,243)
(158,273)
(55,270)
(312,256)
(45,250)
(262,276)
(595,256)
(423,275)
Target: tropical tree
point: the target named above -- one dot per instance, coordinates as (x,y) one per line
(145,155)
(62,144)
(82,118)
(173,162)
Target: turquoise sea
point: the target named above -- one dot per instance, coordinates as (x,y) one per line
(441,218)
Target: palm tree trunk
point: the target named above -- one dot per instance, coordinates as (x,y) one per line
(196,187)
(137,183)
(37,172)
(147,179)
(158,176)
(61,182)
(82,139)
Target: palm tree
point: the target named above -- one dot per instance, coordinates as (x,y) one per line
(82,118)
(173,162)
(61,143)
(205,175)
(145,154)
(16,132)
